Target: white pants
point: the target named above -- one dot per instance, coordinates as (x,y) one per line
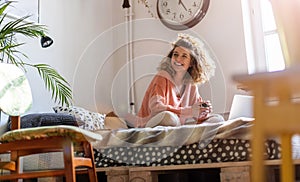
(168,118)
(164,118)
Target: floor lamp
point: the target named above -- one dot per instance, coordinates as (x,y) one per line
(128,31)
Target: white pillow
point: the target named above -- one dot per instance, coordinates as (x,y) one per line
(85,119)
(114,123)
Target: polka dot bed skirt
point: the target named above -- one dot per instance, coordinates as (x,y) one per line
(217,150)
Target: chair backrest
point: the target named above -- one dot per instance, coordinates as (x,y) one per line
(15,92)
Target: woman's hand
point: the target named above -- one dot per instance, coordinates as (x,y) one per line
(199,111)
(205,109)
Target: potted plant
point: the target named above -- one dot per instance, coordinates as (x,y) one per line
(9,53)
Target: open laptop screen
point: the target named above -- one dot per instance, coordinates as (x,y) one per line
(242,106)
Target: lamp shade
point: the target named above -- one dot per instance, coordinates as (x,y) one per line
(46,41)
(15,92)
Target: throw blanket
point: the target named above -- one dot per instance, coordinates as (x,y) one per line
(174,136)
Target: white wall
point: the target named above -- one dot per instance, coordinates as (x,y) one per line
(221,29)
(90,52)
(77,52)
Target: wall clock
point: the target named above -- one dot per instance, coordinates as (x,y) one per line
(181,14)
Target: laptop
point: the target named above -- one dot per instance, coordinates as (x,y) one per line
(242,106)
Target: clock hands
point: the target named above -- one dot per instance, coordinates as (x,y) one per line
(180,2)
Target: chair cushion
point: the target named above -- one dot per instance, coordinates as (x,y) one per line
(75,133)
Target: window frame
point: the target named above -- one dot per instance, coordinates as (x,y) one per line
(255,36)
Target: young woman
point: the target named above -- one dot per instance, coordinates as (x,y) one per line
(172,98)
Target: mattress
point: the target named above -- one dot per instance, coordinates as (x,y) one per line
(217,150)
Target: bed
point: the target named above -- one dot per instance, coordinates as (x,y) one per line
(150,154)
(147,153)
(190,144)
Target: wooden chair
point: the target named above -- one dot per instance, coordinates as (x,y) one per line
(277,113)
(21,142)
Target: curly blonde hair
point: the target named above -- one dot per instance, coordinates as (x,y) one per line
(201,69)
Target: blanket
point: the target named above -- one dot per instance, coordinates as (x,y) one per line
(175,136)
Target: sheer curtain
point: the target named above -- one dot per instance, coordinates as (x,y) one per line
(287,16)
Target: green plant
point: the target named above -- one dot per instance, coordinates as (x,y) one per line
(9,29)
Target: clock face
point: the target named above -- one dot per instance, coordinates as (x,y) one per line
(181,14)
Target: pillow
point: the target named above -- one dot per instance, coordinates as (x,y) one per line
(85,119)
(45,119)
(112,121)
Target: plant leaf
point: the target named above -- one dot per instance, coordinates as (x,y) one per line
(8,31)
(54,82)
(3,6)
(61,91)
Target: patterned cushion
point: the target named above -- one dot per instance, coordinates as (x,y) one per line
(86,119)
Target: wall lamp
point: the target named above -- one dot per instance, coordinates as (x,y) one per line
(46,41)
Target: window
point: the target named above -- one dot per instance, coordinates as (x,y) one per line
(20,8)
(263,47)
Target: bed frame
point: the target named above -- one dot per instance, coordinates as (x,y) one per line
(229,171)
